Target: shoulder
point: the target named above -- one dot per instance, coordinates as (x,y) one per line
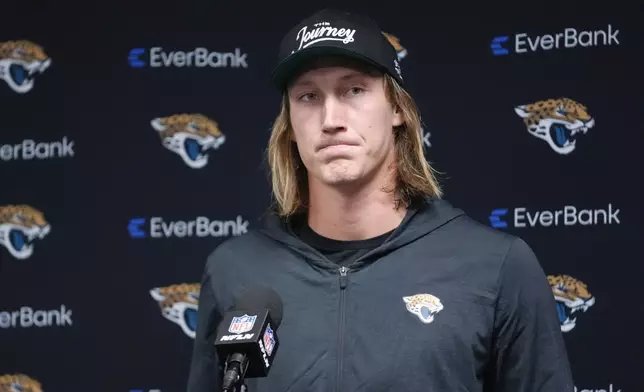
(235,249)
(513,274)
(517,271)
(473,236)
(492,255)
(232,263)
(454,225)
(510,251)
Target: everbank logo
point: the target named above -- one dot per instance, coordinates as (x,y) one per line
(29,149)
(27,317)
(569,215)
(566,39)
(157,57)
(201,226)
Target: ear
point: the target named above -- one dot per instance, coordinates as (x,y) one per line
(156,294)
(158,124)
(398,119)
(521,111)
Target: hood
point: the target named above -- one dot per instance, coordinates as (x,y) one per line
(420,220)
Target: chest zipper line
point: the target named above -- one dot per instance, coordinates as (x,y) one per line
(344,281)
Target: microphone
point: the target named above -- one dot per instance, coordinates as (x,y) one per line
(246,340)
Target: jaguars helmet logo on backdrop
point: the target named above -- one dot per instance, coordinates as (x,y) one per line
(19,383)
(395,42)
(20,226)
(423,306)
(572,295)
(178,303)
(191,136)
(559,122)
(20,62)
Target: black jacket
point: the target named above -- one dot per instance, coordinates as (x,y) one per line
(445,304)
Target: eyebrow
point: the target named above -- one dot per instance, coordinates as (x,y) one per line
(301,83)
(348,76)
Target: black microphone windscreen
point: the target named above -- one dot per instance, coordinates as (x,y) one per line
(261,298)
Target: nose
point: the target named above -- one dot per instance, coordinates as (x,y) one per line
(332,116)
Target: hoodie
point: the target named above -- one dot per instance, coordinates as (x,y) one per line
(443,304)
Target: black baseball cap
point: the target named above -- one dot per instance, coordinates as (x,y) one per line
(332,32)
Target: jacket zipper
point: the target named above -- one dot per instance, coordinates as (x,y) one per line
(344,280)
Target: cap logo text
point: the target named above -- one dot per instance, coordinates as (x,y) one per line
(323,32)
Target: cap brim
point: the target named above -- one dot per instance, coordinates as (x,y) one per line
(289,67)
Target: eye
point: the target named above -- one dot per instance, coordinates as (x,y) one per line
(17,387)
(355,90)
(562,111)
(306,97)
(194,125)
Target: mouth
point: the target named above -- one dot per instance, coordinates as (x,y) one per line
(20,241)
(22,75)
(426,312)
(564,137)
(336,144)
(190,318)
(566,313)
(196,150)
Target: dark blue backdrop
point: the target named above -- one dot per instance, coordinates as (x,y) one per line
(105,299)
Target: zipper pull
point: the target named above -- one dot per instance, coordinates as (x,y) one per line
(343,277)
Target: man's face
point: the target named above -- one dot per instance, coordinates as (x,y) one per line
(342,123)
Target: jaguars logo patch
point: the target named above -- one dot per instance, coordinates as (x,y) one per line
(20,227)
(395,42)
(191,136)
(572,296)
(20,62)
(558,122)
(179,303)
(423,306)
(19,383)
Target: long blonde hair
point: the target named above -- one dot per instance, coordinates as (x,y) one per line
(415,177)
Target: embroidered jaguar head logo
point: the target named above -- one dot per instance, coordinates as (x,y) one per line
(424,306)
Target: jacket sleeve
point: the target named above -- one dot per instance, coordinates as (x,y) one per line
(205,370)
(530,353)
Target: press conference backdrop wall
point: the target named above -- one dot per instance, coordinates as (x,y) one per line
(132,144)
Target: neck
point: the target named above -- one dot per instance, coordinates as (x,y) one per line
(343,214)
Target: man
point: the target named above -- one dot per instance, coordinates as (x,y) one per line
(385,286)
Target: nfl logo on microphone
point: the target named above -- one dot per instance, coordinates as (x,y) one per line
(269,340)
(242,324)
